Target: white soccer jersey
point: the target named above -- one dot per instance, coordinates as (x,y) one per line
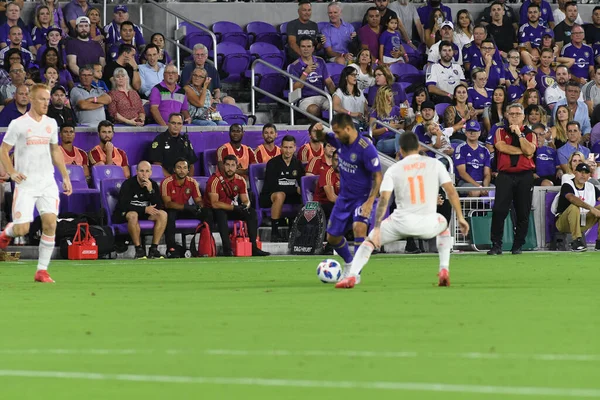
(415,182)
(31,141)
(445,78)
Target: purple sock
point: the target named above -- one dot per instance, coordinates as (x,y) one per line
(357,243)
(343,250)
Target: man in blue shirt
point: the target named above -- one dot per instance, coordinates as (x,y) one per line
(16,108)
(578,108)
(472,161)
(360,178)
(546,15)
(338,35)
(573,144)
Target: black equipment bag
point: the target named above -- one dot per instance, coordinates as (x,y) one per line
(308,230)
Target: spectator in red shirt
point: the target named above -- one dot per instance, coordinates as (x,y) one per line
(267,150)
(126,105)
(317,164)
(176,192)
(243,153)
(227,196)
(106,153)
(73,155)
(328,186)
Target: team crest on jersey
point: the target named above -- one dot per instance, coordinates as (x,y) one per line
(49,129)
(481,155)
(294,173)
(455,72)
(187,191)
(548,81)
(235,188)
(154,145)
(352,157)
(586,54)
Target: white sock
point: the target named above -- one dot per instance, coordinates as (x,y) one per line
(45,249)
(8,230)
(361,258)
(444,245)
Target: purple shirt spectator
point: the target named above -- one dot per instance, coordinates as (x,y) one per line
(38,35)
(393,117)
(316,78)
(584,57)
(369,38)
(475,160)
(87,52)
(546,161)
(43,48)
(168,102)
(425,11)
(25,42)
(531,34)
(73,10)
(546,14)
(390,41)
(64,77)
(113,34)
(472,55)
(26,56)
(113,52)
(338,38)
(478,100)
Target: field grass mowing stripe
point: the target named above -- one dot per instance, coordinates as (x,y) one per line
(248,381)
(310,353)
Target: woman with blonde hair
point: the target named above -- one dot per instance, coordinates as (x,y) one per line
(463,31)
(384,110)
(200,100)
(57,15)
(126,105)
(559,130)
(42,22)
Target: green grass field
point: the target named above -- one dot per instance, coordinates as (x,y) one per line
(509,327)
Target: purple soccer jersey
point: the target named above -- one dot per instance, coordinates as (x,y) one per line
(531,34)
(475,160)
(316,78)
(583,56)
(546,161)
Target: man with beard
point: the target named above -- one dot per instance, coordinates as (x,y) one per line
(87,100)
(176,191)
(545,12)
(282,184)
(16,108)
(172,145)
(501,27)
(114,33)
(426,10)
(267,150)
(312,149)
(328,185)
(318,164)
(244,154)
(168,97)
(443,76)
(530,34)
(562,31)
(592,31)
(58,107)
(556,91)
(106,153)
(82,50)
(447,32)
(227,195)
(73,155)
(583,68)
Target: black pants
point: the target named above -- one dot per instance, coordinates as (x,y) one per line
(512,189)
(221,217)
(173,215)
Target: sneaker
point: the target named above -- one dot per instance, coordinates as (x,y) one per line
(4,240)
(42,277)
(154,253)
(140,253)
(346,283)
(495,251)
(516,250)
(256,252)
(444,278)
(578,245)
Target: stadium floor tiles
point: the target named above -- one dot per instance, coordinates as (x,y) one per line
(509,327)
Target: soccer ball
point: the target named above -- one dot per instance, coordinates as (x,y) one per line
(329,271)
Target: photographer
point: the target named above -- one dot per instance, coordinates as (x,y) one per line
(227,195)
(176,191)
(139,199)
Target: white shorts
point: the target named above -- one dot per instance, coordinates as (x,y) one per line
(46,200)
(397,227)
(320,101)
(391,60)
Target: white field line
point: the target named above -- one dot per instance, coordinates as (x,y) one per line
(250,381)
(310,353)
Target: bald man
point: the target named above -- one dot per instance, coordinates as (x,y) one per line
(139,199)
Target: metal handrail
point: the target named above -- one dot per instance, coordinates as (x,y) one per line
(254,88)
(436,151)
(189,21)
(171,41)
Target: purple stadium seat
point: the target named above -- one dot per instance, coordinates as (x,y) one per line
(440,108)
(308,185)
(230,32)
(335,70)
(202,180)
(357,25)
(83,199)
(210,161)
(234,60)
(232,114)
(100,172)
(157,172)
(283,33)
(268,53)
(595,134)
(259,31)
(270,81)
(76,175)
(405,72)
(194,36)
(399,94)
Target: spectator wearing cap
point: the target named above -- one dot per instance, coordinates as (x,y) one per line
(42,23)
(13,19)
(583,68)
(74,10)
(168,98)
(152,72)
(472,161)
(577,107)
(128,36)
(527,80)
(113,31)
(16,108)
(562,30)
(443,76)
(52,39)
(89,101)
(302,26)
(547,166)
(82,50)
(60,108)
(127,60)
(576,209)
(573,144)
(16,42)
(447,32)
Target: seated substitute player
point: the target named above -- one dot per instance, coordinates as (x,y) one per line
(360,178)
(415,181)
(34,137)
(268,149)
(318,164)
(139,199)
(577,211)
(176,192)
(243,153)
(227,195)
(106,153)
(311,149)
(282,184)
(73,155)
(328,186)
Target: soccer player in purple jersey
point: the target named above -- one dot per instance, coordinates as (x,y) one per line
(360,178)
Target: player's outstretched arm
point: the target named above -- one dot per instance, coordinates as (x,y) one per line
(59,161)
(455,202)
(320,130)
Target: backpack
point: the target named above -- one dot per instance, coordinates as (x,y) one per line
(203,243)
(308,230)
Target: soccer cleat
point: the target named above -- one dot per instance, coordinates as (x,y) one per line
(154,253)
(346,283)
(4,240)
(140,253)
(495,251)
(444,278)
(578,246)
(42,277)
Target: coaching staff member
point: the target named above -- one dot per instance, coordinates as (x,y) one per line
(171,145)
(515,147)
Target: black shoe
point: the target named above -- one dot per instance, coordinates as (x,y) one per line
(411,247)
(173,253)
(597,245)
(578,245)
(154,253)
(227,253)
(276,237)
(495,251)
(256,252)
(140,253)
(516,250)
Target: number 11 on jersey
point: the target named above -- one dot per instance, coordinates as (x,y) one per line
(413,195)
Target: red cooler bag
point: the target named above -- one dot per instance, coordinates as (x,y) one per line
(83,248)
(240,242)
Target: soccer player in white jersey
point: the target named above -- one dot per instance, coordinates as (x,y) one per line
(34,137)
(415,182)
